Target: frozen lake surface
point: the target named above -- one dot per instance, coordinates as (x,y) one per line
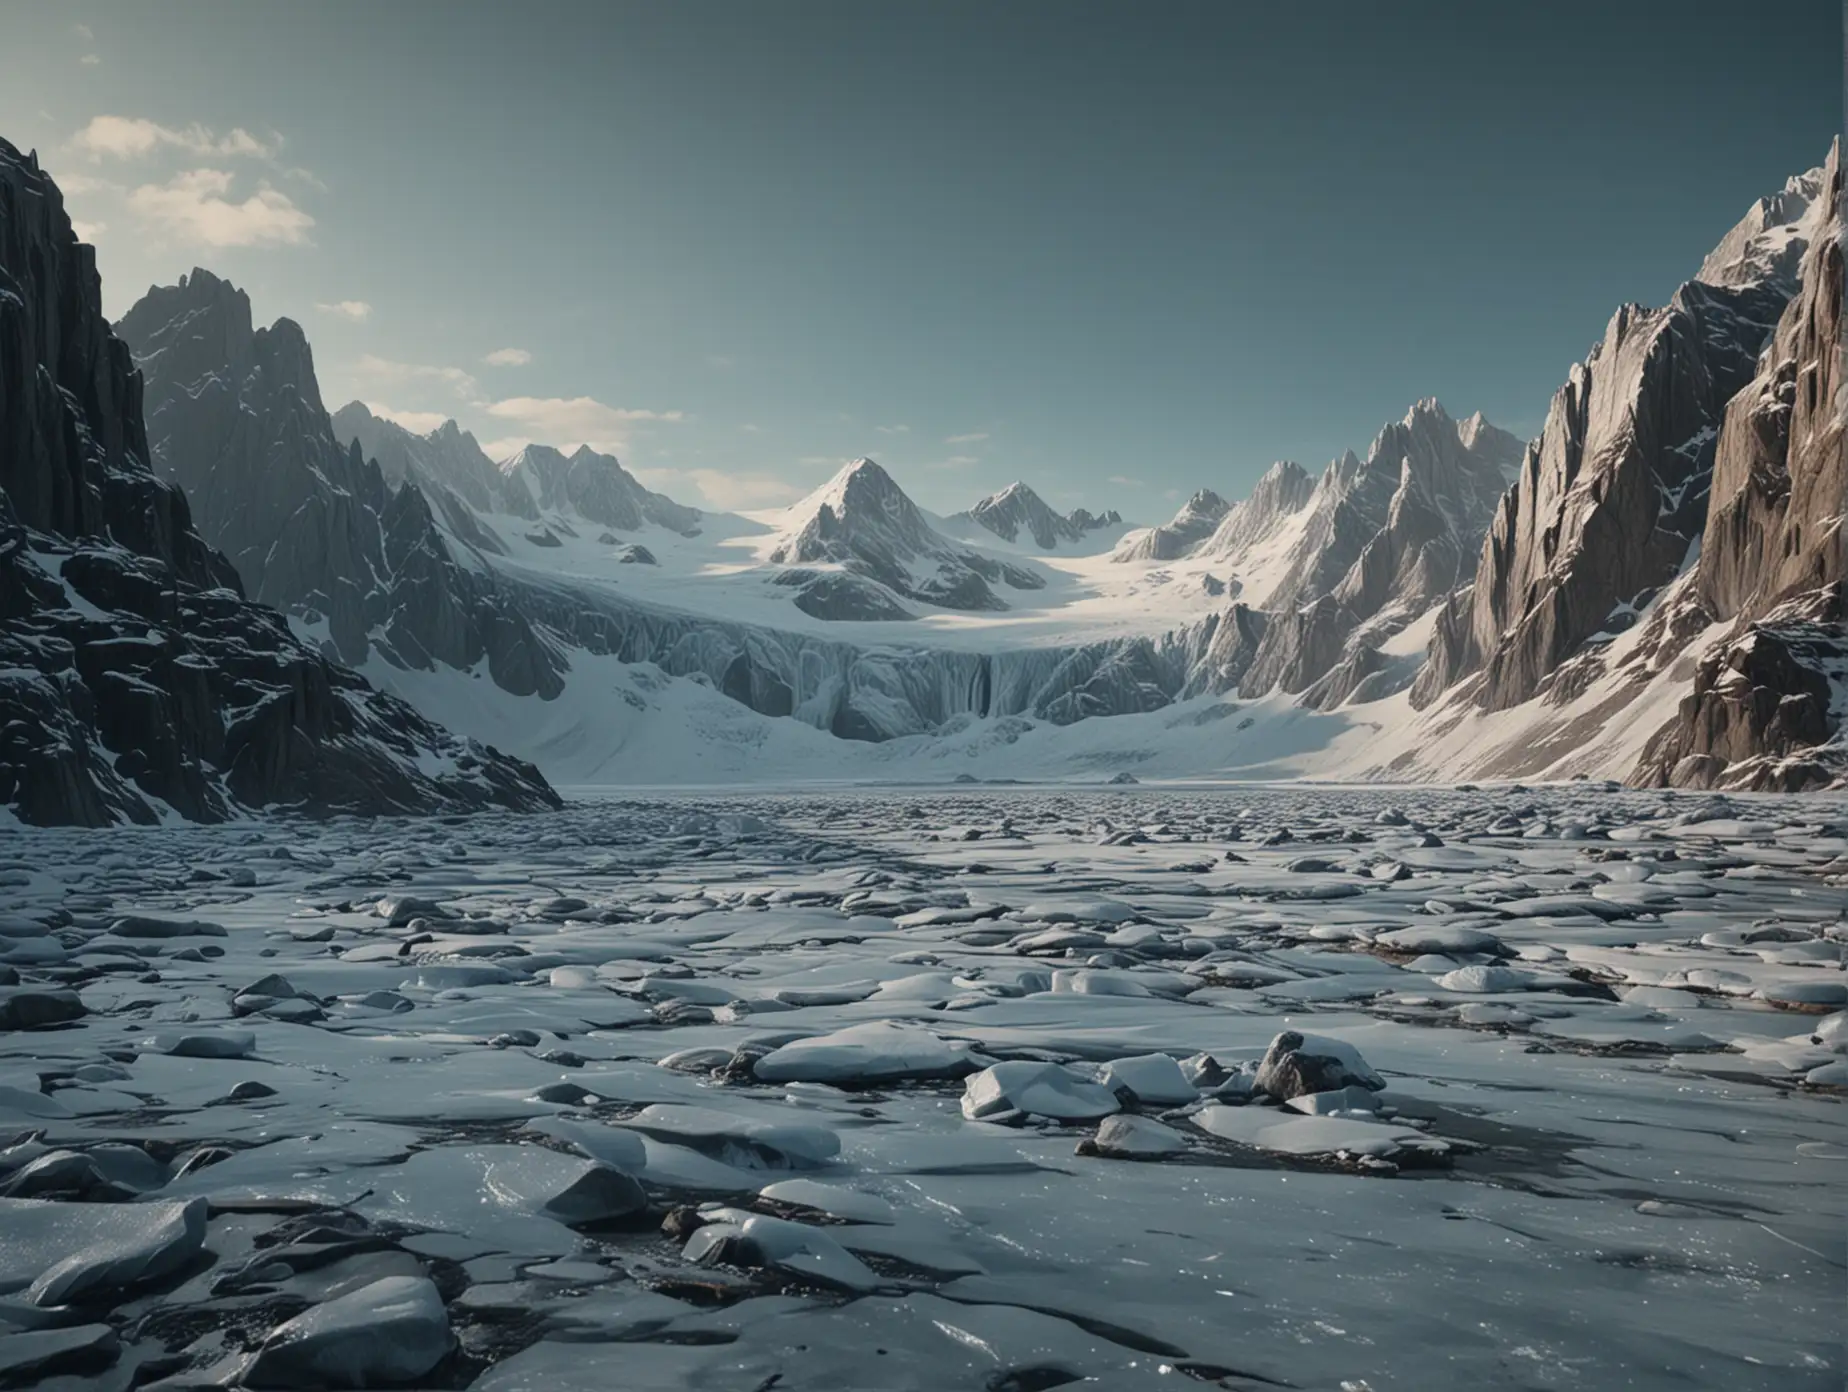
(934,1089)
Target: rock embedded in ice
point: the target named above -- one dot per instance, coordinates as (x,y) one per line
(390,1332)
(736,1140)
(1154,1080)
(1348,1099)
(1282,1132)
(1807,995)
(878,1052)
(30,1359)
(214,1044)
(796,1248)
(853,1205)
(1439,938)
(33,1007)
(142,926)
(1487,979)
(1126,1137)
(1037,1089)
(1298,1063)
(60,1252)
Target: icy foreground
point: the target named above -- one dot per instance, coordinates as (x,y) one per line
(934,1090)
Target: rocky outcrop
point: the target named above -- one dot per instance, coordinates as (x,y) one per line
(1769,699)
(1612,496)
(1017,509)
(314,527)
(1193,524)
(1230,653)
(136,681)
(862,521)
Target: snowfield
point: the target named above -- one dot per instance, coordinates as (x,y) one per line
(969,1088)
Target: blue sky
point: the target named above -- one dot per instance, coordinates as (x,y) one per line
(1121,252)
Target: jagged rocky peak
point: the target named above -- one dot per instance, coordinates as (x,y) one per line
(1767,706)
(1017,509)
(234,416)
(449,456)
(595,487)
(1193,524)
(136,682)
(1768,243)
(1611,498)
(1283,491)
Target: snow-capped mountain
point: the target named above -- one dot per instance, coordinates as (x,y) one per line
(136,681)
(592,488)
(863,522)
(1017,513)
(512,598)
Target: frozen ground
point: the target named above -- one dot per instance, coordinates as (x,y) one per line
(934,1090)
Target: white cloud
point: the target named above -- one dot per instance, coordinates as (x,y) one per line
(577,420)
(893,429)
(356,310)
(749,429)
(90,60)
(83,31)
(386,372)
(192,207)
(132,137)
(722,489)
(88,231)
(508,357)
(1123,482)
(417,422)
(504,448)
(958,461)
(85,183)
(974,438)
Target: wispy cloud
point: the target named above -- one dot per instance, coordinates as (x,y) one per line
(193,207)
(749,428)
(893,429)
(973,438)
(133,137)
(388,372)
(88,231)
(577,420)
(958,461)
(356,310)
(722,489)
(90,60)
(508,357)
(417,422)
(718,360)
(1124,482)
(84,32)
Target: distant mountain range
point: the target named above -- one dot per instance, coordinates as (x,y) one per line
(1651,589)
